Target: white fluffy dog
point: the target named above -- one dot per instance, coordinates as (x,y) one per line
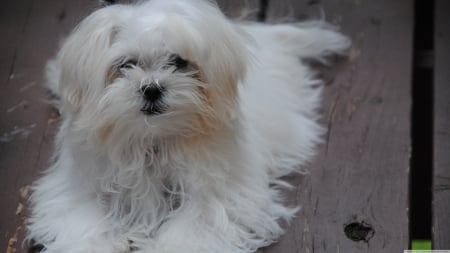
(176,127)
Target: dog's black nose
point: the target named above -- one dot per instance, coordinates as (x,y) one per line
(152,93)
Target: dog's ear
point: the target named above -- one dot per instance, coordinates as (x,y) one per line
(219,51)
(225,67)
(81,58)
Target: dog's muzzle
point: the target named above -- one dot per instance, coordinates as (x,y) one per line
(152,94)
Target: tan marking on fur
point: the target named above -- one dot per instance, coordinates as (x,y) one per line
(222,100)
(206,135)
(105,132)
(230,95)
(111,75)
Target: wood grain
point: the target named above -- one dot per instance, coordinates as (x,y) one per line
(360,177)
(27,124)
(441,187)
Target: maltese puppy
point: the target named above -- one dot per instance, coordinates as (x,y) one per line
(177,125)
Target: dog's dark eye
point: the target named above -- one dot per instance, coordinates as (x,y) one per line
(129,64)
(178,62)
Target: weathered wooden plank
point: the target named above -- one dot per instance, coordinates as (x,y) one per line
(358,186)
(27,122)
(441,188)
(13,19)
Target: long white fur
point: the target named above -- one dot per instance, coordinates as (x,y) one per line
(203,176)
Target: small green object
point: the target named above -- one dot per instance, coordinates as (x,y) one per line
(421,245)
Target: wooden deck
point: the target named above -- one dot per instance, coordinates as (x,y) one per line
(356,198)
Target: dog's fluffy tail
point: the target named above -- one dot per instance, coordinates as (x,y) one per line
(286,91)
(309,40)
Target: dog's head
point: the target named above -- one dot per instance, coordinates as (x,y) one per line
(161,68)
